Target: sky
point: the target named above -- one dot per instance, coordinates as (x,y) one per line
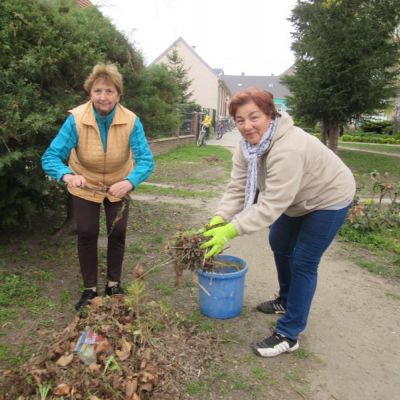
(239,36)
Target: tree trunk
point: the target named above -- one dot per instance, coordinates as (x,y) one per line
(324,134)
(69,225)
(334,137)
(330,135)
(396,117)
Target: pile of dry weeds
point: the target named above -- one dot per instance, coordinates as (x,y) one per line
(145,352)
(186,254)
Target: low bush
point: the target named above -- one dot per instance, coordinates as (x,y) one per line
(380,127)
(370,138)
(375,224)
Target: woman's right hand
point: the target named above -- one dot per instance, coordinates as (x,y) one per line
(74,180)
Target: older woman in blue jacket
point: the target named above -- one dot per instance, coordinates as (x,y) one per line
(101,154)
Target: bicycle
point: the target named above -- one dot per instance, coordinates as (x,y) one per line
(219,131)
(224,125)
(201,138)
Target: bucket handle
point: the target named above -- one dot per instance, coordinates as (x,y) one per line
(201,286)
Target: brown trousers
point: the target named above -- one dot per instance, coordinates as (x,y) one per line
(87,214)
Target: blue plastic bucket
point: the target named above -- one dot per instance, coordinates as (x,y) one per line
(221,293)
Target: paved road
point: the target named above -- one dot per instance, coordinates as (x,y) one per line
(229,139)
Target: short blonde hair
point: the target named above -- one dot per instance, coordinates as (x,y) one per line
(108,72)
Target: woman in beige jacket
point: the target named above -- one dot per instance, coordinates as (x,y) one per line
(285,179)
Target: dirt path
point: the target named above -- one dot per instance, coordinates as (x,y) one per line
(369,151)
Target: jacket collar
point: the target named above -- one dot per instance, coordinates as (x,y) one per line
(89,117)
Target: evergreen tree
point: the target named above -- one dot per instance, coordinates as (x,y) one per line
(177,67)
(346,61)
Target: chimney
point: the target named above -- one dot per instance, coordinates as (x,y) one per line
(242,74)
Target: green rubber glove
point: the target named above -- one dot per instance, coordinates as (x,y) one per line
(217,220)
(220,237)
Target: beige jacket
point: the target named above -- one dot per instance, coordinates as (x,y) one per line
(296,176)
(101,169)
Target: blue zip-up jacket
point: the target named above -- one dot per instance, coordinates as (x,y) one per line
(55,158)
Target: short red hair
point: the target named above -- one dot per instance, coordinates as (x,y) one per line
(262,98)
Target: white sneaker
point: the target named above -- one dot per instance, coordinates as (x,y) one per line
(274,345)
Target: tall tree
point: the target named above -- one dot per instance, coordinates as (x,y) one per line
(177,67)
(159,99)
(346,61)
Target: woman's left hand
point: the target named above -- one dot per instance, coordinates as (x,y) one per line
(120,189)
(220,236)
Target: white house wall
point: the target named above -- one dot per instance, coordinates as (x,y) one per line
(204,82)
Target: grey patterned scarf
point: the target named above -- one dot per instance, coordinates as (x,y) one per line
(253,154)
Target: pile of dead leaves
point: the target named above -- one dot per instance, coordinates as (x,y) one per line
(142,355)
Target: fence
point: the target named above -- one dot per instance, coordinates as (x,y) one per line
(186,134)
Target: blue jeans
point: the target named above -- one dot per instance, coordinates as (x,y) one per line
(298,244)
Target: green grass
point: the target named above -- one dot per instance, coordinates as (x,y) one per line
(302,353)
(197,388)
(380,265)
(363,163)
(381,254)
(187,165)
(65,297)
(136,248)
(224,380)
(197,318)
(387,148)
(382,240)
(259,373)
(157,239)
(196,154)
(220,379)
(12,358)
(165,288)
(24,292)
(4,352)
(15,289)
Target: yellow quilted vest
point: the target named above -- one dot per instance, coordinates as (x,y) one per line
(101,169)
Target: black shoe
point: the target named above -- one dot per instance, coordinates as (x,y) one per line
(114,290)
(271,307)
(274,345)
(87,295)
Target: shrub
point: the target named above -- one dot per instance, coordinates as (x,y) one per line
(379,127)
(370,138)
(47,50)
